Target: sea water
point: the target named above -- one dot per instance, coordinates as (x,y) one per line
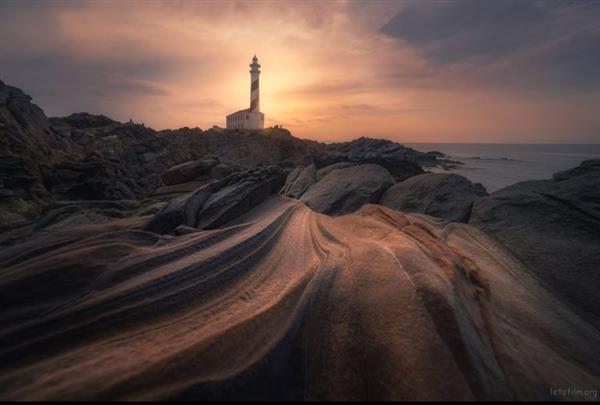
(500,165)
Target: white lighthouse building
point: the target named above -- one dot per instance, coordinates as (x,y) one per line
(250,118)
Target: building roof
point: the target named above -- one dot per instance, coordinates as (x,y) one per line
(245,110)
(240,111)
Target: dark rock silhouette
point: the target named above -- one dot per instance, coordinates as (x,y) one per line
(400,161)
(84,120)
(85,156)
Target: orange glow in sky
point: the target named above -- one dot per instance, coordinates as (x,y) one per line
(328,72)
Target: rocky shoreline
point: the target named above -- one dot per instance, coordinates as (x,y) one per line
(266,254)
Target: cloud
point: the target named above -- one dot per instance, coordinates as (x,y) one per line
(545,44)
(491,70)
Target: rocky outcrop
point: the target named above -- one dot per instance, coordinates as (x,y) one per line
(553,226)
(188,171)
(299,180)
(400,161)
(345,190)
(24,128)
(447,196)
(285,304)
(218,202)
(90,178)
(26,140)
(84,121)
(276,301)
(85,156)
(93,156)
(245,148)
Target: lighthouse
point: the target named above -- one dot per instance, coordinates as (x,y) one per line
(249,118)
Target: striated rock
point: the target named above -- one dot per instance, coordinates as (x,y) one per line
(286,305)
(553,226)
(188,171)
(219,202)
(180,188)
(345,190)
(299,180)
(291,177)
(447,196)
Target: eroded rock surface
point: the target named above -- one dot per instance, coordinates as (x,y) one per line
(345,190)
(299,180)
(285,303)
(553,226)
(447,196)
(219,202)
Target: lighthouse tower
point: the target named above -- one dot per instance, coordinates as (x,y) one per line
(254,90)
(249,118)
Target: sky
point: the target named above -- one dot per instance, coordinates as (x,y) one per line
(519,71)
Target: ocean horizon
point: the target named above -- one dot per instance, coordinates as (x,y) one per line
(498,165)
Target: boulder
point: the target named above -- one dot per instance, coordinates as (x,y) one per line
(553,226)
(402,162)
(299,180)
(218,202)
(345,190)
(447,196)
(328,169)
(188,171)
